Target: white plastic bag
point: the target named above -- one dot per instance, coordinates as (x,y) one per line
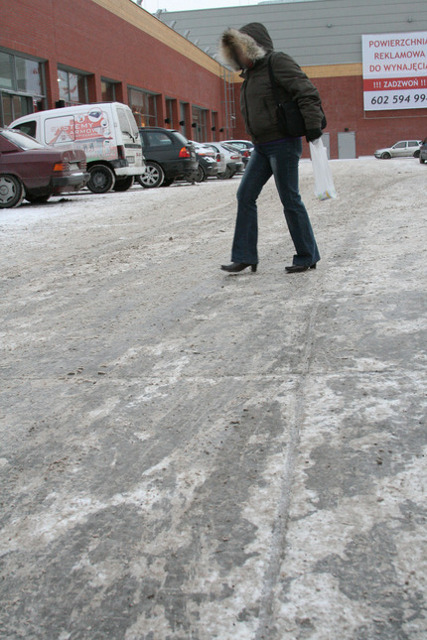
(323,182)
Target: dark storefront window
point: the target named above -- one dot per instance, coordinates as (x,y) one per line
(6,70)
(182,111)
(144,108)
(214,125)
(13,106)
(21,86)
(108,91)
(170,103)
(72,87)
(199,120)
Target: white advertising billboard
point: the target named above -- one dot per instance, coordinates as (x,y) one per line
(394,71)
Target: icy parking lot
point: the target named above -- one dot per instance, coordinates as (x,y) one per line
(187,454)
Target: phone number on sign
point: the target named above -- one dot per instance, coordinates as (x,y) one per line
(399,99)
(403,100)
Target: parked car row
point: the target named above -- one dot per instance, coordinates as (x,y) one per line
(169,157)
(100,146)
(232,161)
(244,146)
(106,132)
(36,171)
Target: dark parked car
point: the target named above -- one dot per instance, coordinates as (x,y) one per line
(208,165)
(34,171)
(168,157)
(423,151)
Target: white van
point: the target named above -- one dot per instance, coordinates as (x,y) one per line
(106,131)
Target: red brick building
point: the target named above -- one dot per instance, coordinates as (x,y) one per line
(100,50)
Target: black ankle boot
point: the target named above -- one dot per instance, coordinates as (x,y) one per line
(235,267)
(297,268)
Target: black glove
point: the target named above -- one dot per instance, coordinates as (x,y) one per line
(313,134)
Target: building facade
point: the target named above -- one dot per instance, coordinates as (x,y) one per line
(166,66)
(325,38)
(62,53)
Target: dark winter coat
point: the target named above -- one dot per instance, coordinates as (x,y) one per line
(257,101)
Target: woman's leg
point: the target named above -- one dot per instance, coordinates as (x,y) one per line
(284,158)
(257,172)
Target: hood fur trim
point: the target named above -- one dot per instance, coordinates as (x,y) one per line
(233,42)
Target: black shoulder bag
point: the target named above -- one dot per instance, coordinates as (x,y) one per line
(289,115)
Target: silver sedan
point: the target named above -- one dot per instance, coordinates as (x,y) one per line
(402,149)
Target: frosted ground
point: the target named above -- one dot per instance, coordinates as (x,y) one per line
(191,455)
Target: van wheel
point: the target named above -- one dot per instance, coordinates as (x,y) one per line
(123,184)
(102,179)
(153,176)
(12,191)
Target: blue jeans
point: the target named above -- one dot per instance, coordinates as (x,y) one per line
(279,159)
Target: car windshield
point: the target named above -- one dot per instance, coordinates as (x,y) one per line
(230,147)
(21,139)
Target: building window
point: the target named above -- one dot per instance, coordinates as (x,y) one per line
(214,117)
(21,86)
(21,74)
(6,70)
(108,91)
(170,103)
(28,76)
(72,87)
(144,108)
(13,106)
(182,113)
(199,120)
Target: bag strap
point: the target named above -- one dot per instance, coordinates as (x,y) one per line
(273,81)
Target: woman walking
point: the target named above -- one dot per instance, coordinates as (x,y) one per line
(269,75)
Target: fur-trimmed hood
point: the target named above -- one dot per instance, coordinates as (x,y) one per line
(252,40)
